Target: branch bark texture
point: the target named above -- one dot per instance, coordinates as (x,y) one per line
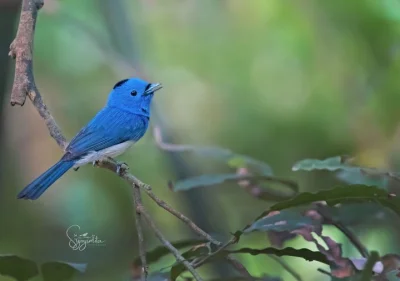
(21,49)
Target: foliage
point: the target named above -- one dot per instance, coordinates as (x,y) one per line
(22,269)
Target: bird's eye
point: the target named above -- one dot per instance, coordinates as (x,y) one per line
(134,93)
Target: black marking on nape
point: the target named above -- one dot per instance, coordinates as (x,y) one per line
(147,87)
(120,83)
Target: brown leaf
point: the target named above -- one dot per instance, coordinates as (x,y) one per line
(277,239)
(342,267)
(391,262)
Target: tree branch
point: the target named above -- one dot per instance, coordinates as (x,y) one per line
(21,49)
(287,267)
(239,267)
(137,197)
(177,214)
(167,244)
(345,230)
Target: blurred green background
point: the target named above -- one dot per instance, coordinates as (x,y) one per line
(276,80)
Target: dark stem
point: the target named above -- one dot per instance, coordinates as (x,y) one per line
(287,267)
(346,231)
(167,244)
(233,240)
(137,198)
(323,271)
(239,267)
(177,214)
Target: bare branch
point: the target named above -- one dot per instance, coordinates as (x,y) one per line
(287,267)
(137,197)
(232,241)
(345,230)
(21,49)
(24,83)
(239,267)
(177,214)
(167,244)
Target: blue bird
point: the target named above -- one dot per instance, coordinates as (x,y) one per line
(122,122)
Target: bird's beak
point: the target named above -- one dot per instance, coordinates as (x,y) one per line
(154,87)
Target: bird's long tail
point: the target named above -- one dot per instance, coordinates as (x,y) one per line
(39,185)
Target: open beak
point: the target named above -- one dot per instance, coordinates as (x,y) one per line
(154,87)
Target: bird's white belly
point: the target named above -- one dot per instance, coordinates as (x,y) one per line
(111,151)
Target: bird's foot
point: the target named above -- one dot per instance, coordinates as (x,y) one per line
(76,169)
(122,167)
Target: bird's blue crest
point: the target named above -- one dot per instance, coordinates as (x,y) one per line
(133,95)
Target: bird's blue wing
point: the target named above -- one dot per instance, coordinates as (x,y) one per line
(109,127)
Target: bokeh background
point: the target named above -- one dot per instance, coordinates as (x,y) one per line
(277,80)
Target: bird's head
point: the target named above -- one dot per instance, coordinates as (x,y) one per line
(133,95)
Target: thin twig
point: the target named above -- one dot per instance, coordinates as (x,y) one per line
(174,212)
(233,240)
(137,198)
(287,267)
(167,244)
(346,231)
(239,267)
(324,272)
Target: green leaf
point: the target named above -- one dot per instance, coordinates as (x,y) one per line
(342,194)
(265,191)
(159,252)
(358,177)
(204,180)
(157,276)
(19,268)
(349,173)
(61,271)
(300,253)
(305,254)
(366,274)
(354,213)
(286,220)
(242,278)
(236,162)
(256,166)
(330,164)
(231,158)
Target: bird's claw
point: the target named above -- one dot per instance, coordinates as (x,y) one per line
(76,169)
(121,168)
